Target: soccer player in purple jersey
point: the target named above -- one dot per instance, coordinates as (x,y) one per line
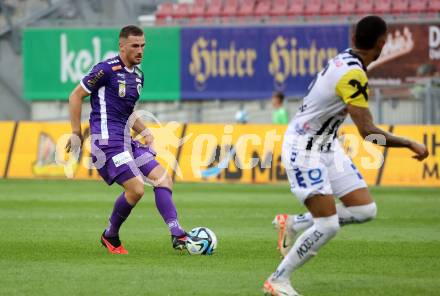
(114,86)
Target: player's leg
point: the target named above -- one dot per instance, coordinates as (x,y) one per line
(310,183)
(324,228)
(356,207)
(163,192)
(133,192)
(357,204)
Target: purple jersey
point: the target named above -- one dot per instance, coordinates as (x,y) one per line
(114,90)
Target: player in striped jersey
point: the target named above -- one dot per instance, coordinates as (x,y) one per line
(317,168)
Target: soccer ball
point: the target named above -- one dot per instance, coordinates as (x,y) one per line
(201,241)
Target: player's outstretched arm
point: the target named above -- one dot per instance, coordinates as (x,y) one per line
(75,104)
(363,120)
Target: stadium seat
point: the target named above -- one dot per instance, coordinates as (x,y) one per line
(198,9)
(330,7)
(214,8)
(230,9)
(312,7)
(417,6)
(263,8)
(296,8)
(246,8)
(434,6)
(347,7)
(382,6)
(181,11)
(279,8)
(399,6)
(365,7)
(164,12)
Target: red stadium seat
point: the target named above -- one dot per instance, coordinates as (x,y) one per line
(330,7)
(347,7)
(296,8)
(263,8)
(312,7)
(164,11)
(365,7)
(382,6)
(279,7)
(399,6)
(214,8)
(247,8)
(198,9)
(417,6)
(434,6)
(230,9)
(181,11)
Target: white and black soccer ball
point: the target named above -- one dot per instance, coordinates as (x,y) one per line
(201,241)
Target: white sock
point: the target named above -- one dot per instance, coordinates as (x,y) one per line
(347,215)
(307,245)
(357,214)
(301,222)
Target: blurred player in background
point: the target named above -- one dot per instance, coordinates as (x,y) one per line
(311,148)
(114,87)
(279,114)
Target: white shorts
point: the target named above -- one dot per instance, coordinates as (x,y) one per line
(312,173)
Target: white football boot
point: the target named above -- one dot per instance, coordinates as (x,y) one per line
(278,288)
(286,234)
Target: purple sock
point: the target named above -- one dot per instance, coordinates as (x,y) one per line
(120,212)
(165,205)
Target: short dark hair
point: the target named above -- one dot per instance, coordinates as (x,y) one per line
(368,31)
(130,30)
(279,95)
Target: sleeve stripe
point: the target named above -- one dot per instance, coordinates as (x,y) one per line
(354,64)
(84,87)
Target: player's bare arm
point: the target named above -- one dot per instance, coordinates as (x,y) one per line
(75,104)
(363,120)
(141,129)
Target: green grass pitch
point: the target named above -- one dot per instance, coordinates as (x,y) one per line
(49,240)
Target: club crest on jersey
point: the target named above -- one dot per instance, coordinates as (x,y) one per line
(121,91)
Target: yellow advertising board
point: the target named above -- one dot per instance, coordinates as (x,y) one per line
(37,144)
(232,153)
(403,170)
(6,132)
(220,153)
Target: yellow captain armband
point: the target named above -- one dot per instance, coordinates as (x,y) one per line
(353,88)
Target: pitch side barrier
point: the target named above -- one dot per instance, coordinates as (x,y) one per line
(215,153)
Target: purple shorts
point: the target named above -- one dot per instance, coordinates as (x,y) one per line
(116,163)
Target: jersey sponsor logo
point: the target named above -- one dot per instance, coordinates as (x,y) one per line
(361,89)
(91,82)
(122,158)
(121,90)
(338,63)
(117,67)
